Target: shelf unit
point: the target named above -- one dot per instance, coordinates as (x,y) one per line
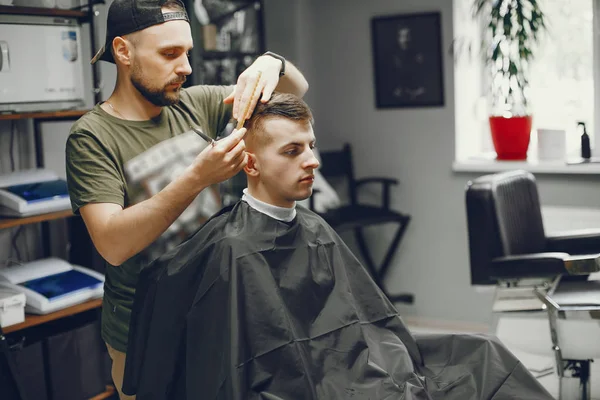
(46,115)
(83,16)
(32,320)
(237,7)
(39,118)
(12,222)
(54,12)
(244,41)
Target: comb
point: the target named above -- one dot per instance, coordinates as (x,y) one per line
(242,120)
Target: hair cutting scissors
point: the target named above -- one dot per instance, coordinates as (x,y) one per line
(204,136)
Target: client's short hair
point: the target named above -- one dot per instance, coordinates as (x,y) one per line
(282,105)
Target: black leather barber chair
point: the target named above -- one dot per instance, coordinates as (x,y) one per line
(336,165)
(533,272)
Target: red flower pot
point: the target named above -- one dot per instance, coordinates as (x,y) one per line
(511,137)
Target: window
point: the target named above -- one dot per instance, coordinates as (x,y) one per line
(564,80)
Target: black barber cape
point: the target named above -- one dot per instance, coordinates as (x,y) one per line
(255,308)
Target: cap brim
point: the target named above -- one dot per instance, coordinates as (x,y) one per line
(103,55)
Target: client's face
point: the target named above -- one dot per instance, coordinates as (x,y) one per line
(287,162)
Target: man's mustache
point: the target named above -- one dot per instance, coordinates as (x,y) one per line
(177,81)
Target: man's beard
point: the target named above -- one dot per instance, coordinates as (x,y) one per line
(158,97)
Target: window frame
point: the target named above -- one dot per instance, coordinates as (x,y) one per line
(472,135)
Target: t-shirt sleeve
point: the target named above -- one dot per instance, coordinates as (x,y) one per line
(210,99)
(92,174)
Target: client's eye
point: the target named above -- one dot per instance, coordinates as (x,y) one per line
(291,152)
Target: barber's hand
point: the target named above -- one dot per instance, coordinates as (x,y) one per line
(241,96)
(223,160)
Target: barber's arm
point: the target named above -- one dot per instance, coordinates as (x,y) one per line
(292,82)
(269,69)
(119,234)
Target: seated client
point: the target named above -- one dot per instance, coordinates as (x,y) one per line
(265,301)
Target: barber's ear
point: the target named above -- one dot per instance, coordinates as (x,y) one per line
(251,167)
(122,50)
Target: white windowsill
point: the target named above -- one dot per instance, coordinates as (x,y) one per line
(533,166)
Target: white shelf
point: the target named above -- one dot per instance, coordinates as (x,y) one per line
(533,166)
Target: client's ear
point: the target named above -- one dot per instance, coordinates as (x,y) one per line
(251,168)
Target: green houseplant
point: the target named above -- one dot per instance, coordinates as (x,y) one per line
(512,31)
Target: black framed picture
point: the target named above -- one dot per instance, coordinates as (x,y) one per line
(407,60)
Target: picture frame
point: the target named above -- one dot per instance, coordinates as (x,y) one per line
(408,60)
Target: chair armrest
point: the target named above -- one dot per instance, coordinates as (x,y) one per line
(544,265)
(583,241)
(386,183)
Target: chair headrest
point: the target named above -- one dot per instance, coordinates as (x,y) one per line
(501,178)
(504,218)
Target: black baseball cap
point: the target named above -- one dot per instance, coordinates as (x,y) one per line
(128,16)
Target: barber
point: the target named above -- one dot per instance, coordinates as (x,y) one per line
(149,42)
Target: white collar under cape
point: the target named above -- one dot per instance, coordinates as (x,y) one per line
(279,213)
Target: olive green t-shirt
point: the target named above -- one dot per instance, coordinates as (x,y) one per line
(98,147)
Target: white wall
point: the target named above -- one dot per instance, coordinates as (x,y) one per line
(413,145)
